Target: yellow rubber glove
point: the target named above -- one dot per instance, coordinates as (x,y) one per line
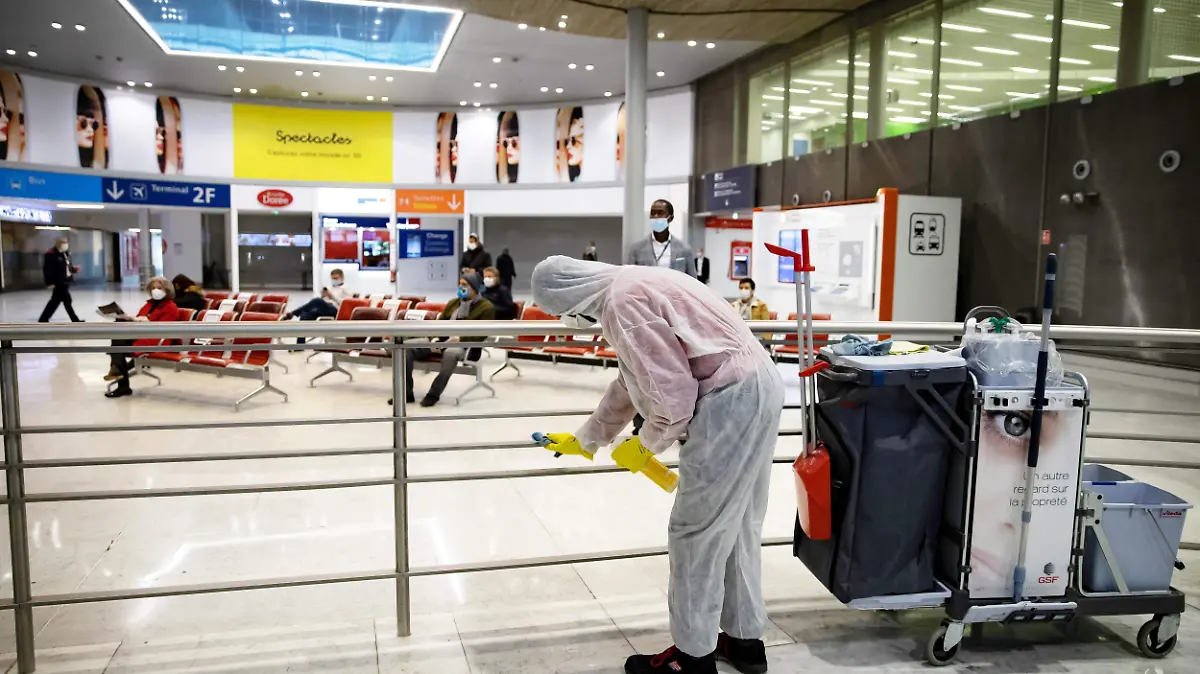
(631,455)
(565,443)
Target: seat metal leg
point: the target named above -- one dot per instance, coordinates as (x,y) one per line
(264,388)
(508,364)
(146,371)
(278,363)
(335,367)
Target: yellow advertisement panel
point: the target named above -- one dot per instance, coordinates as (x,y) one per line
(273,143)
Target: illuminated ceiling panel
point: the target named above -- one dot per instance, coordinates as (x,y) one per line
(336,32)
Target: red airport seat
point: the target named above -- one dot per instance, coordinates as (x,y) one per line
(263,307)
(793,337)
(282,299)
(438,307)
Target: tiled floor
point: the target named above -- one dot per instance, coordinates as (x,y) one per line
(584,617)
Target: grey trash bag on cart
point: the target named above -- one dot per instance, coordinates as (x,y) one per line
(889,458)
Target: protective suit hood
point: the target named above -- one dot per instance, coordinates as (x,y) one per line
(563,285)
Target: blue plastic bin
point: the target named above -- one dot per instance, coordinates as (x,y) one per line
(1144,525)
(1096,472)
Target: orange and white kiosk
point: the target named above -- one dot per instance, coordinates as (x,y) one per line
(890,258)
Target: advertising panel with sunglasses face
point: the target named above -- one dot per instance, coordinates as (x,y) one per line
(568,155)
(508,146)
(91,128)
(13,132)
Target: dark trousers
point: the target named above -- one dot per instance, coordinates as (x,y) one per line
(61,294)
(450,358)
(314,309)
(122,362)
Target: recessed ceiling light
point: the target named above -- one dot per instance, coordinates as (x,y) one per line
(918,71)
(10,52)
(993,50)
(462,103)
(1019,69)
(607,94)
(572,66)
(241,69)
(965,29)
(493,85)
(1182,57)
(1104,47)
(370,98)
(389,78)
(902,54)
(1078,62)
(661,35)
(589,67)
(254,91)
(478,84)
(131,83)
(660,73)
(542,28)
(691,43)
(963,62)
(304,93)
(378,21)
(476,104)
(299,73)
(545,89)
(1033,38)
(496,59)
(562,24)
(1086,24)
(55,25)
(1102,79)
(317,73)
(962,87)
(710,45)
(522,26)
(221,67)
(147,84)
(558,90)
(32,54)
(1006,12)
(1063,87)
(237,90)
(80,27)
(902,80)
(384,99)
(1160,10)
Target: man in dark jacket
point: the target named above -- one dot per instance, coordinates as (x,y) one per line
(499,295)
(475,257)
(58,273)
(508,270)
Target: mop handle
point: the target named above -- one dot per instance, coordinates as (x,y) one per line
(1043,363)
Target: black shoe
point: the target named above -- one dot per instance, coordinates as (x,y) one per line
(408,398)
(748,656)
(119,392)
(671,661)
(429,401)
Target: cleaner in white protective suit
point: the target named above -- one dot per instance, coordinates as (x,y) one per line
(687,363)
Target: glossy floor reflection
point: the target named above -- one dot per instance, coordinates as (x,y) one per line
(584,617)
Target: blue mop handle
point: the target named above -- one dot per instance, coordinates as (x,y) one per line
(1043,363)
(1035,426)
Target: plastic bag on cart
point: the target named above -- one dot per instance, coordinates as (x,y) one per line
(1008,359)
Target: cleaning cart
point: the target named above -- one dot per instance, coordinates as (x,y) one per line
(1021,531)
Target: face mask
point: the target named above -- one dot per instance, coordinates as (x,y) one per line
(489,282)
(63,247)
(472,245)
(746,293)
(578,321)
(463,293)
(336,283)
(157,294)
(659,224)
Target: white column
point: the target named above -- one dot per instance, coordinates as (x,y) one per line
(235,267)
(145,258)
(635,226)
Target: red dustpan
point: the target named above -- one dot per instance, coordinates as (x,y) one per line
(813,477)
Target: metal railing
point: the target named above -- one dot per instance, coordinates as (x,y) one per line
(22,339)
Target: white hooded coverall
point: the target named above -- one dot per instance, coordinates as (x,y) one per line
(687,362)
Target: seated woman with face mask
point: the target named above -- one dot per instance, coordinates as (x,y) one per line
(750,308)
(159,308)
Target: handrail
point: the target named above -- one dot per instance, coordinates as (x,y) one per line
(21,332)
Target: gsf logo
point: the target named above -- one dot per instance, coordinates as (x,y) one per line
(1047,580)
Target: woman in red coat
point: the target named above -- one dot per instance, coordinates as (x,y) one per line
(160,307)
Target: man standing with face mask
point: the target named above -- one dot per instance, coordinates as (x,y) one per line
(661,249)
(59,273)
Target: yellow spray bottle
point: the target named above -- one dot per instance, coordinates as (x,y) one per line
(634,457)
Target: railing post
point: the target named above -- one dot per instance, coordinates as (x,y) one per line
(400,463)
(18,532)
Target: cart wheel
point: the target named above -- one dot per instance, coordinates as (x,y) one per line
(935,652)
(1148,643)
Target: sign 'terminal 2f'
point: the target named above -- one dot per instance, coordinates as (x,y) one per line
(165,193)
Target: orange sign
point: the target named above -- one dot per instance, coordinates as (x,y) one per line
(429,201)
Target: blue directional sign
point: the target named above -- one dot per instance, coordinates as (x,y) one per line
(729,190)
(49,186)
(165,193)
